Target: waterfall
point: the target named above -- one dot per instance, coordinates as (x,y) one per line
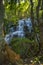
(19,29)
(29,24)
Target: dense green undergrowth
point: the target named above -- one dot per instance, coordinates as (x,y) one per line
(24,46)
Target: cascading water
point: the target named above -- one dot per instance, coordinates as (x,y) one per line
(29,24)
(19,30)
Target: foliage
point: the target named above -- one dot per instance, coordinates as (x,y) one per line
(16,10)
(22,8)
(24,47)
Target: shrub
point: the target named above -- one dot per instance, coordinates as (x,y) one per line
(25,47)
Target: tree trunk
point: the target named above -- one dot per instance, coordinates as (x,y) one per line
(32,16)
(42,10)
(41,29)
(39,25)
(33,23)
(1,17)
(37,11)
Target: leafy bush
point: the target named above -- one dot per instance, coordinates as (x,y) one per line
(24,47)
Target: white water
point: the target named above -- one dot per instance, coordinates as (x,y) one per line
(19,30)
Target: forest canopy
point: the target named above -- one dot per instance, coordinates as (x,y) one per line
(16,9)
